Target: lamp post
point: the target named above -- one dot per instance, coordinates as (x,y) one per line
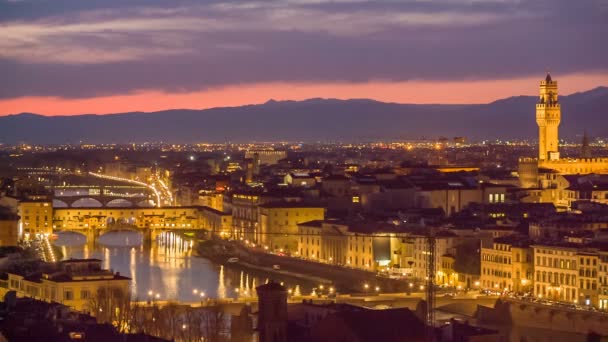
(202,295)
(366,287)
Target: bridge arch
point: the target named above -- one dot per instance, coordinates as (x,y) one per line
(119,203)
(59,204)
(121,237)
(86,202)
(70,238)
(145,204)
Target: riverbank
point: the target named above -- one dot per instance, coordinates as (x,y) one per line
(343,279)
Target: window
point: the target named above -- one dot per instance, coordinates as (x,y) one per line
(85,294)
(68,294)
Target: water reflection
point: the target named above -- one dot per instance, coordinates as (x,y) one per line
(167,267)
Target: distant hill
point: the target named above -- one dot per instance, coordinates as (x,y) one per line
(314,120)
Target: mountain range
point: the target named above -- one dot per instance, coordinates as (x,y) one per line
(314,120)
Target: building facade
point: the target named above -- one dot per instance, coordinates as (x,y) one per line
(74,283)
(36,218)
(507,265)
(278,223)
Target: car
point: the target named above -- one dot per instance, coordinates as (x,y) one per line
(233,260)
(276,267)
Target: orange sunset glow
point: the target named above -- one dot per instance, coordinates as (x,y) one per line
(452,92)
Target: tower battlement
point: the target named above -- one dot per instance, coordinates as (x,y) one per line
(548,105)
(564,160)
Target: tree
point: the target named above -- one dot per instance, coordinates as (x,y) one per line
(215,324)
(112,305)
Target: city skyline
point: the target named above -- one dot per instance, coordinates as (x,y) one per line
(117,57)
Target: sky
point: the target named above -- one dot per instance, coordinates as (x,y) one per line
(64,57)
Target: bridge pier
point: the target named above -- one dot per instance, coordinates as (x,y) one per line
(91,235)
(150,234)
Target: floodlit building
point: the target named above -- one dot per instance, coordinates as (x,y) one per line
(36,218)
(278,223)
(369,246)
(556,269)
(74,283)
(507,265)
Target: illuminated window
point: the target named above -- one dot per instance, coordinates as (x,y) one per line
(356,199)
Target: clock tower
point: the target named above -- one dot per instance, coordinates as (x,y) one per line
(548,116)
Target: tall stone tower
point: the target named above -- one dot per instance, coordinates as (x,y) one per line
(272,312)
(585,148)
(548,116)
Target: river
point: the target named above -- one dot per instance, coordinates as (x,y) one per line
(166,267)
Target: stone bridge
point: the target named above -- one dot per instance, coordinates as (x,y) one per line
(100,201)
(148,234)
(74,196)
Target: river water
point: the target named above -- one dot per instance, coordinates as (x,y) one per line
(166,267)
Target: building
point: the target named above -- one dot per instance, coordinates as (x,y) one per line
(572,272)
(556,269)
(9,227)
(110,218)
(278,223)
(336,185)
(309,244)
(300,179)
(548,117)
(444,242)
(74,283)
(451,196)
(36,218)
(218,222)
(212,199)
(265,157)
(507,265)
(370,246)
(245,215)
